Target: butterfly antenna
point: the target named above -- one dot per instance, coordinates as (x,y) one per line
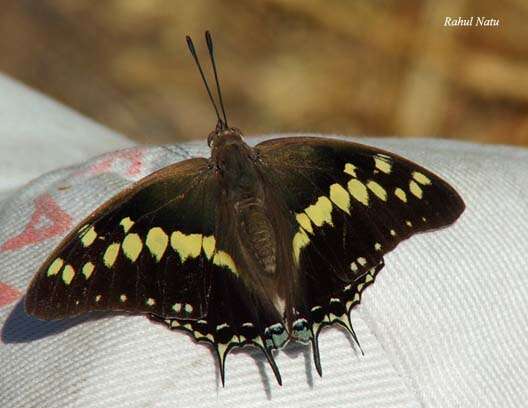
(195,56)
(209,41)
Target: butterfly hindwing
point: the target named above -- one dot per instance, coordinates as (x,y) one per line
(236,318)
(150,249)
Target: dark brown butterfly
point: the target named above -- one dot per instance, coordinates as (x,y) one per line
(253,246)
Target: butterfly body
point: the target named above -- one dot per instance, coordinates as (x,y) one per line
(253,246)
(254,222)
(243,195)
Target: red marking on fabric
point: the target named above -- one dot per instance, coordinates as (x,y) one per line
(8,294)
(47,220)
(134,156)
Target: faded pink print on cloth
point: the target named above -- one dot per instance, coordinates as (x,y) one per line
(8,294)
(47,220)
(134,156)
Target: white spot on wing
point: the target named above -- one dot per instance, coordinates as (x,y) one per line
(150,302)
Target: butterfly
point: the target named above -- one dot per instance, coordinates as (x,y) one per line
(252,246)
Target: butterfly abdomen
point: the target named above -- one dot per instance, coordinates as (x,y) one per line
(256,228)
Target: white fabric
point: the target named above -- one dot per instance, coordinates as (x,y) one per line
(444,325)
(38,135)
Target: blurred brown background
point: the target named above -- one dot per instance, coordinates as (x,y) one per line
(362,67)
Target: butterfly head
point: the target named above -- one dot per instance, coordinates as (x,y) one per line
(230,155)
(223,133)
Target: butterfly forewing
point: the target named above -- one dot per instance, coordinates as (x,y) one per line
(351,204)
(148,250)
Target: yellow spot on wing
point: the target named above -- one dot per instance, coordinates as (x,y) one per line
(208,244)
(222,258)
(97,298)
(67,274)
(415,189)
(55,267)
(123,298)
(400,194)
(88,237)
(126,223)
(188,308)
(300,240)
(340,197)
(382,164)
(377,190)
(350,169)
(320,212)
(150,302)
(110,254)
(176,307)
(132,246)
(187,246)
(421,178)
(157,242)
(88,269)
(304,222)
(358,191)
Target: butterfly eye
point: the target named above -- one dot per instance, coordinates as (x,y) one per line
(219,169)
(210,138)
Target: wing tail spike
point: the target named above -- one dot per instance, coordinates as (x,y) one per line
(260,343)
(273,365)
(316,355)
(221,351)
(347,323)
